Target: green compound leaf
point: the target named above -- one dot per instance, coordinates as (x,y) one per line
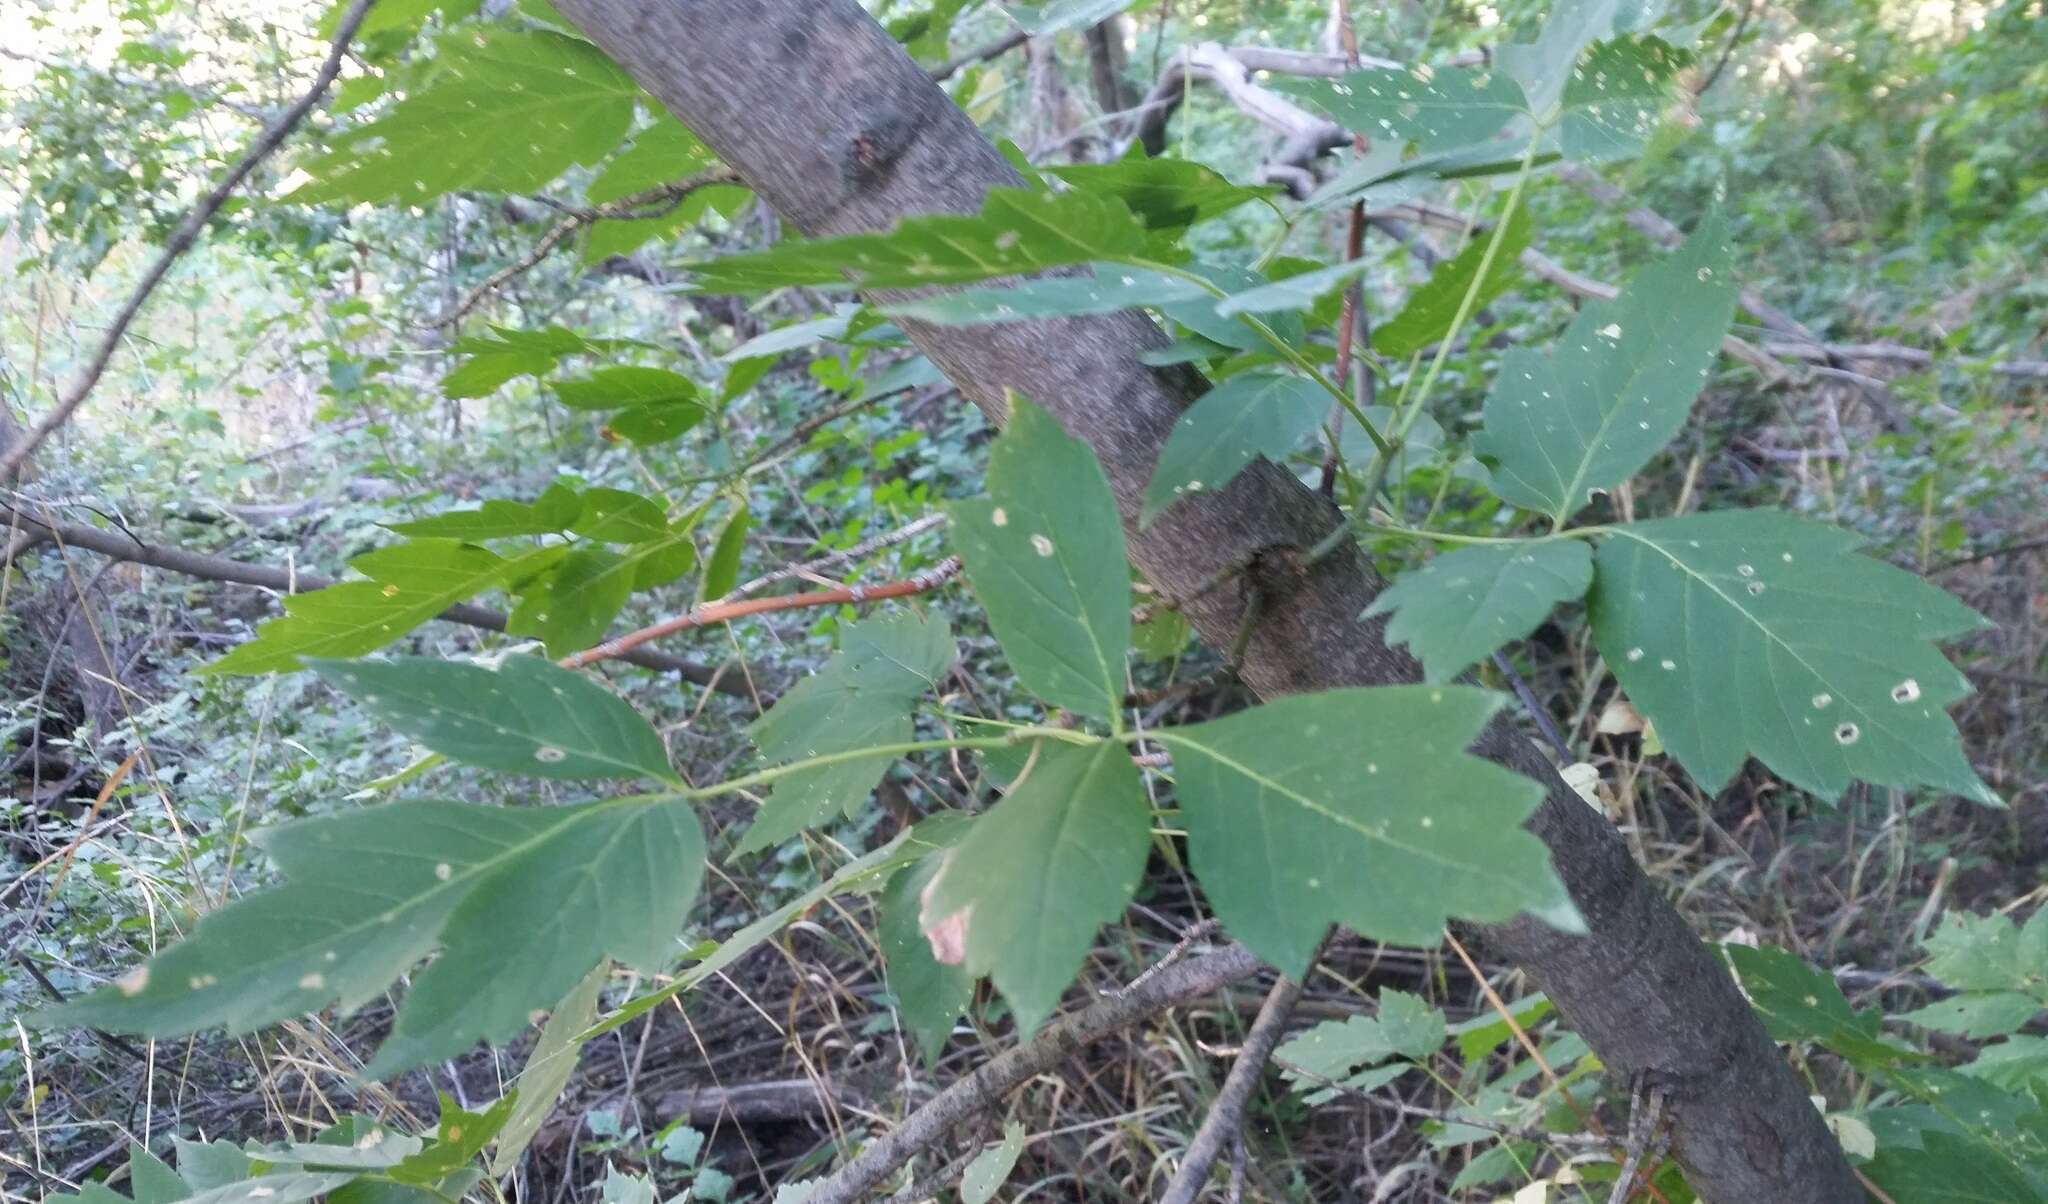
(408,584)
(506,112)
(1019,231)
(1247,416)
(1752,632)
(1045,554)
(862,698)
(459,1138)
(1166,194)
(930,995)
(548,514)
(1436,110)
(722,571)
(1358,807)
(1426,317)
(1614,99)
(1456,610)
(368,893)
(1045,868)
(1406,1027)
(528,716)
(1616,388)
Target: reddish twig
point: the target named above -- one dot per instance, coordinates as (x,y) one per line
(726,612)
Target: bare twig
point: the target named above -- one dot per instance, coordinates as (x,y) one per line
(1062,1039)
(1225,1122)
(996,49)
(181,241)
(1645,1126)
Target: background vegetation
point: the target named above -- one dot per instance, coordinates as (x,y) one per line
(296,389)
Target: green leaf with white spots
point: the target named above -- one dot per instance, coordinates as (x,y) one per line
(1045,554)
(370,892)
(1585,417)
(1358,807)
(1045,869)
(408,584)
(1456,610)
(504,112)
(862,698)
(1435,110)
(1249,415)
(930,995)
(1018,231)
(1754,633)
(1300,291)
(527,716)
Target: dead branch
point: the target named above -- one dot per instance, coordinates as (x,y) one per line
(1062,1039)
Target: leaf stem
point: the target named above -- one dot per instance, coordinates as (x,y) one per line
(763,777)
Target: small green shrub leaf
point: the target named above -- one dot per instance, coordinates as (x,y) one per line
(1614,99)
(548,1068)
(1616,388)
(1358,807)
(1045,554)
(1249,415)
(1044,869)
(1456,610)
(408,584)
(527,716)
(1752,632)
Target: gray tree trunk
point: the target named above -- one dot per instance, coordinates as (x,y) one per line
(836,128)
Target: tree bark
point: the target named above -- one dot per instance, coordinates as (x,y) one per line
(836,128)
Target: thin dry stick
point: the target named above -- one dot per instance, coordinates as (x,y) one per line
(996,1078)
(181,241)
(1225,1121)
(726,612)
